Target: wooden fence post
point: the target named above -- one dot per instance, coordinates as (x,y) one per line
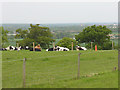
(78,75)
(17,44)
(53,46)
(33,46)
(112,46)
(72,46)
(24,70)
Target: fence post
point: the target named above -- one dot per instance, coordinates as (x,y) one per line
(24,68)
(17,44)
(112,46)
(78,75)
(33,46)
(53,46)
(72,46)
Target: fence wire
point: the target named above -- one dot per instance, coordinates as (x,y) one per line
(48,68)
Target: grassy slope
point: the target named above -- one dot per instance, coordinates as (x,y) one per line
(104,80)
(59,69)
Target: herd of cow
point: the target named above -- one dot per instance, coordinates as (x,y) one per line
(14,48)
(56,48)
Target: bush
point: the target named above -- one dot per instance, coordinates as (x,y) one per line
(67,42)
(105,46)
(26,42)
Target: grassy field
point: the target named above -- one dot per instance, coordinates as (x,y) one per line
(59,69)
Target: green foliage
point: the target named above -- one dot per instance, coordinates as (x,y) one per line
(105,46)
(67,42)
(40,35)
(3,33)
(26,42)
(21,33)
(96,34)
(60,34)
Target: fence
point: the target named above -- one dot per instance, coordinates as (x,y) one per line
(47,68)
(27,71)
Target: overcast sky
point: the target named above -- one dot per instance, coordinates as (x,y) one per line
(59,12)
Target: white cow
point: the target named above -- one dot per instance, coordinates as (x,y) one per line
(58,48)
(84,48)
(80,48)
(61,48)
(11,48)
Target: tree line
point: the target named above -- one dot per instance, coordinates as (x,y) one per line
(98,35)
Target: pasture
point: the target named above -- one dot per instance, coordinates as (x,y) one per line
(59,69)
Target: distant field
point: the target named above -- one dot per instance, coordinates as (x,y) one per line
(59,69)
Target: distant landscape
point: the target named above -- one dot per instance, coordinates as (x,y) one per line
(60,30)
(60,44)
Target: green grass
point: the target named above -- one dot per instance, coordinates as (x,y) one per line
(59,69)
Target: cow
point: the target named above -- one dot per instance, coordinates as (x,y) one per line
(62,48)
(3,49)
(58,48)
(11,48)
(51,49)
(80,48)
(24,47)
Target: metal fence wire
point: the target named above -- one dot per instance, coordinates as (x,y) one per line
(24,70)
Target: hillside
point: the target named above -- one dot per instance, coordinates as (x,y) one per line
(59,69)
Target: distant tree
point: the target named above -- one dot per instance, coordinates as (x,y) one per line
(21,33)
(4,35)
(67,42)
(40,35)
(96,34)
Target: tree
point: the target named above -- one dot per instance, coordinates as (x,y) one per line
(67,42)
(40,35)
(96,34)
(4,35)
(21,33)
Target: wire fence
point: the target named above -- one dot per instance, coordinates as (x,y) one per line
(47,68)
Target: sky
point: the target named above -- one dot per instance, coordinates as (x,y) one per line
(59,12)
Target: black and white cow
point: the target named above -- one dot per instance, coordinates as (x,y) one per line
(11,48)
(3,49)
(80,48)
(62,48)
(25,48)
(58,48)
